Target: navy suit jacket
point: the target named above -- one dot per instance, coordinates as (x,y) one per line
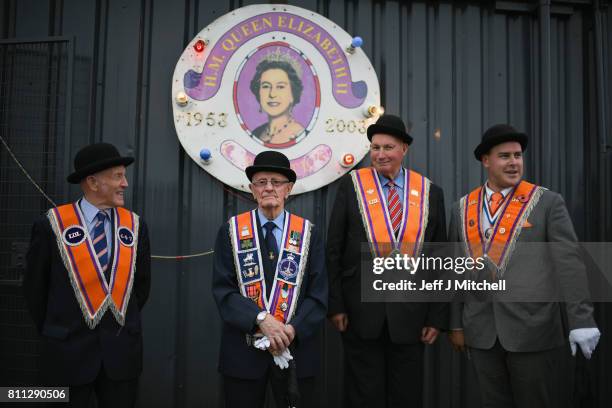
(72,353)
(236,358)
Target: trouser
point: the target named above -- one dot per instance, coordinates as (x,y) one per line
(513,379)
(380,373)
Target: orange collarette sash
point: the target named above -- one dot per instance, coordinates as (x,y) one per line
(93,293)
(498,248)
(290,267)
(375,215)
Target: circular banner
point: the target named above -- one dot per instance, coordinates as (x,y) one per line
(274,77)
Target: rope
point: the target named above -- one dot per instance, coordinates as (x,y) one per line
(25,172)
(35,184)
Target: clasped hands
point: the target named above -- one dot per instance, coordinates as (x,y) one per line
(277,338)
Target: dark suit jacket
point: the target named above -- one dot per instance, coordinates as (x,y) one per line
(72,353)
(531,273)
(344,241)
(236,358)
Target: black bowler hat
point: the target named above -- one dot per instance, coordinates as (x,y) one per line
(271,160)
(94,158)
(390,125)
(498,134)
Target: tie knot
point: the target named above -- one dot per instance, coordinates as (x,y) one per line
(497,197)
(391,184)
(269,226)
(101,216)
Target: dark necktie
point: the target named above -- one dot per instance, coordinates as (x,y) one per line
(99,242)
(271,242)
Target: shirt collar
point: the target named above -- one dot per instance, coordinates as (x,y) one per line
(490,192)
(278,221)
(90,211)
(399,179)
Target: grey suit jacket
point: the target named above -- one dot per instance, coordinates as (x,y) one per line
(530,326)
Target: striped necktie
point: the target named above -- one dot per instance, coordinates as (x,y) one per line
(99,241)
(395,207)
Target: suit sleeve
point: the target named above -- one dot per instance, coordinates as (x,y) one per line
(38,266)
(456,307)
(142,276)
(336,242)
(569,265)
(437,313)
(234,309)
(311,311)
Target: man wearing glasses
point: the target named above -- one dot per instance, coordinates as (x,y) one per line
(385,205)
(270,286)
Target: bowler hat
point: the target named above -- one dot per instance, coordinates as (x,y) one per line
(94,158)
(390,125)
(498,134)
(273,161)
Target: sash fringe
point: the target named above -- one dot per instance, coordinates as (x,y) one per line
(533,202)
(91,321)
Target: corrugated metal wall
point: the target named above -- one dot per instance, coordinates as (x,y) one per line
(450,68)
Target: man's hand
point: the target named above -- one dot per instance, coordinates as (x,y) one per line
(586,338)
(429,334)
(340,321)
(457,339)
(275,332)
(290,332)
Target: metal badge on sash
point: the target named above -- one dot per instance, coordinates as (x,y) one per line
(496,244)
(295,243)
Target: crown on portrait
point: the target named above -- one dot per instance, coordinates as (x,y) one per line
(279,56)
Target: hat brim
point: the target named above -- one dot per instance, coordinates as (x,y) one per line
(77,176)
(374,129)
(484,147)
(290,174)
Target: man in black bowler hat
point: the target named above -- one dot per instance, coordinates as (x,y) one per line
(87,279)
(270,285)
(514,343)
(383,342)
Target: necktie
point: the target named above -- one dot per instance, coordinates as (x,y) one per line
(394,205)
(99,242)
(496,200)
(271,241)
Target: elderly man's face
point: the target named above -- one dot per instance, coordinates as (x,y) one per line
(107,187)
(270,189)
(387,153)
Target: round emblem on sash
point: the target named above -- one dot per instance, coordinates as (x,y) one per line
(288,268)
(283,306)
(74,235)
(126,236)
(471,223)
(502,230)
(488,233)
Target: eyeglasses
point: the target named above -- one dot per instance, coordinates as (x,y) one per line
(264,182)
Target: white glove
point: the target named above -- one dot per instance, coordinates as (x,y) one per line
(587,339)
(262,343)
(282,360)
